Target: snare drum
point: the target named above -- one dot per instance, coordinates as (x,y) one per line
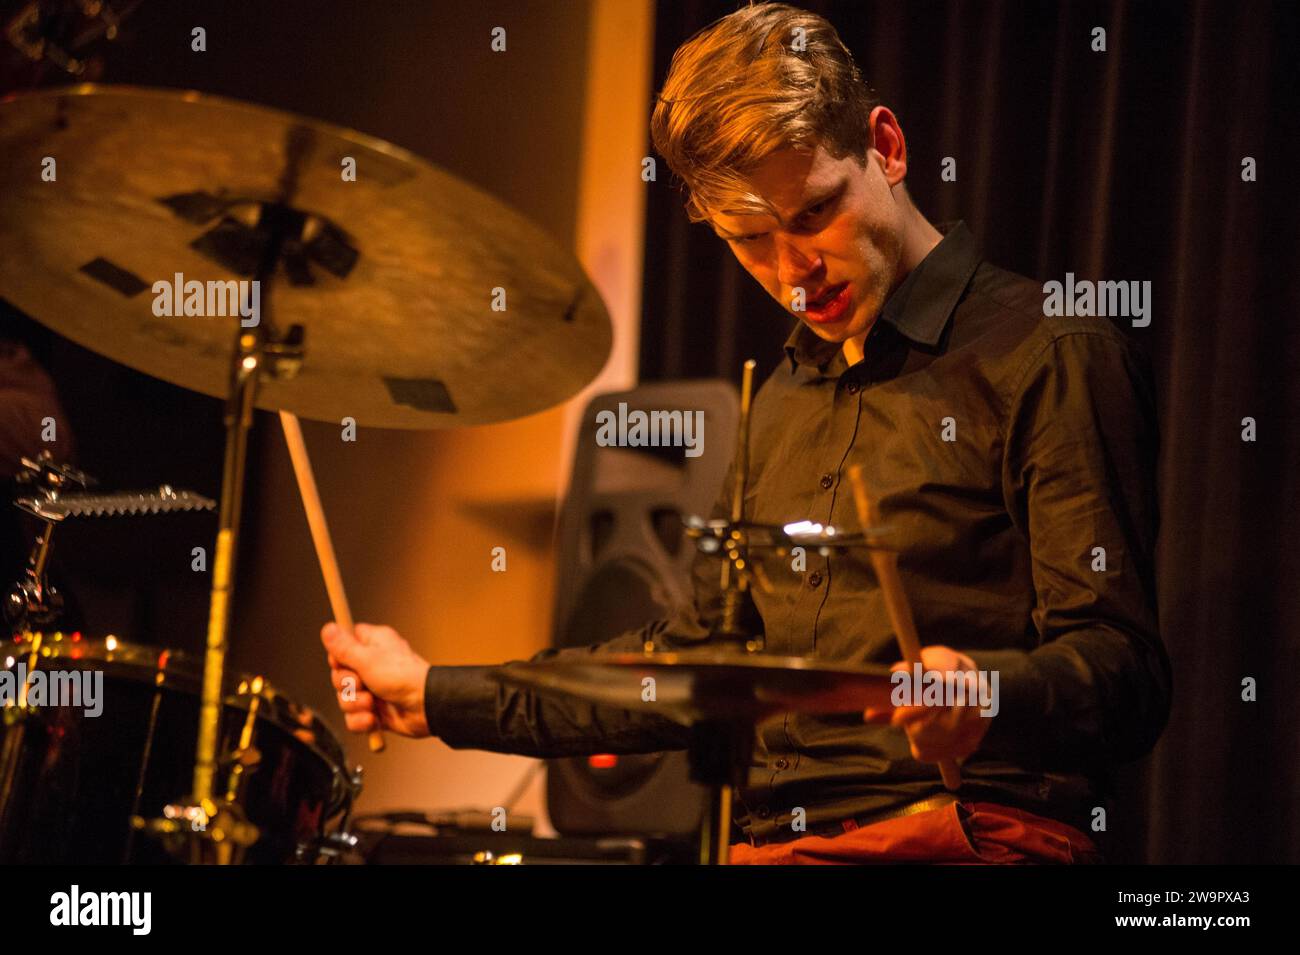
(71,778)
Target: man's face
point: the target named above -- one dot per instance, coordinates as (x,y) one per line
(839,237)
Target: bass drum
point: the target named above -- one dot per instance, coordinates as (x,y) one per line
(106,730)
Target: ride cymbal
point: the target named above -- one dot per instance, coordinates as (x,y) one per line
(394,276)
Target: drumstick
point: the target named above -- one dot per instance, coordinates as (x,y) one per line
(320,535)
(885,564)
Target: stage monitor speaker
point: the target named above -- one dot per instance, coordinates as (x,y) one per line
(625,561)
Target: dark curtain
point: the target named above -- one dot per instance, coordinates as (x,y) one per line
(1122,165)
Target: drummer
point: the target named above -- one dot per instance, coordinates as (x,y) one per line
(1013,452)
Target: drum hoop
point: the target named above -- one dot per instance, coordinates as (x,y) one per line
(182,671)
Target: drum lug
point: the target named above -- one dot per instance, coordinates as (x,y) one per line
(347,787)
(328,849)
(202,831)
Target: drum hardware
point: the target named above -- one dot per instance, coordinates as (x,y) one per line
(54,475)
(16,717)
(33,602)
(202,832)
(720,749)
(330,849)
(245,757)
(780,539)
(160,680)
(223,832)
(165,500)
(347,787)
(341,845)
(737,562)
(56,31)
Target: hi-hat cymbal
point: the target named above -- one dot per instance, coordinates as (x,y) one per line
(394,279)
(695,685)
(712,536)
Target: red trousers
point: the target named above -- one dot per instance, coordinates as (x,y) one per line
(961,833)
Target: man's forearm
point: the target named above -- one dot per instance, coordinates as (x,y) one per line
(1087,698)
(469,710)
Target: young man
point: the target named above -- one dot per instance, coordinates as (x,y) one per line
(1012,453)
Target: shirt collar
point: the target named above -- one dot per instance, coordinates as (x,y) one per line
(919,308)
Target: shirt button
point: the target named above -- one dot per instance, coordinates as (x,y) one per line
(853,387)
(815,579)
(827,481)
(783,763)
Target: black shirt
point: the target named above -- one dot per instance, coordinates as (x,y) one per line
(1014,454)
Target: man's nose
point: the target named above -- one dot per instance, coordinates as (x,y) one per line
(796,262)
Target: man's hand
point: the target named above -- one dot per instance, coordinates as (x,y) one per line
(939,732)
(379,679)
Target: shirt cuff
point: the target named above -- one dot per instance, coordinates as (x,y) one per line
(1021,705)
(460,705)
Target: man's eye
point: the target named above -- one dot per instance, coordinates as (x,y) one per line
(747,239)
(815,212)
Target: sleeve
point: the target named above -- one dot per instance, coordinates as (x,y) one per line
(468,710)
(1079,480)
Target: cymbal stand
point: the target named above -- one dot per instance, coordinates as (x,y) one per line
(205,827)
(719,751)
(33,602)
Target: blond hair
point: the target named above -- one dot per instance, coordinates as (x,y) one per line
(767,77)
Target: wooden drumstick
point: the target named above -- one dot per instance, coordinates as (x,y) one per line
(320,535)
(885,564)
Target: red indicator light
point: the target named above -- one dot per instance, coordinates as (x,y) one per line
(602,761)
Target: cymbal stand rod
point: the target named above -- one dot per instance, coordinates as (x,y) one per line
(718,755)
(733,593)
(239,418)
(249,361)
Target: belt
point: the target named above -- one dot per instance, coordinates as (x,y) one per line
(832,829)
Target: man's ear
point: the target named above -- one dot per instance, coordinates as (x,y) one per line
(871,134)
(888,145)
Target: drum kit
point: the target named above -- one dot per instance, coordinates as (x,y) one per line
(373,296)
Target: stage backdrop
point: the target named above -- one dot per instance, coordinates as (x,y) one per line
(1126,165)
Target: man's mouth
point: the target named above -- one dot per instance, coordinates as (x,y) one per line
(827,293)
(830,304)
